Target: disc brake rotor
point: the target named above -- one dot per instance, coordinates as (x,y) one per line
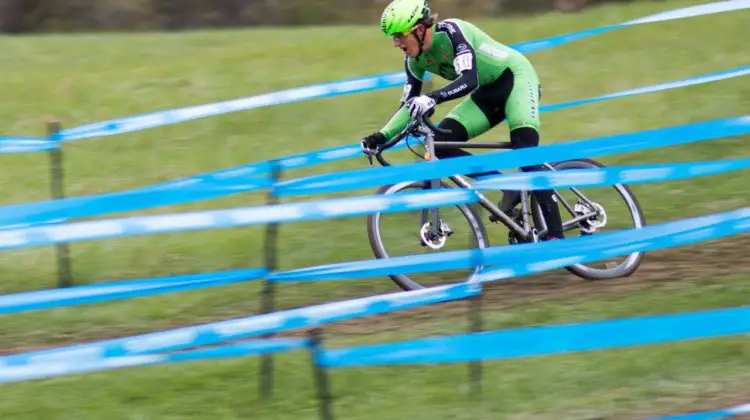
(594,223)
(431,240)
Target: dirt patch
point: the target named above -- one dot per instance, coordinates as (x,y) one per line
(702,262)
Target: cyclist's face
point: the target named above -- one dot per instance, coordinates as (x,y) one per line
(407,42)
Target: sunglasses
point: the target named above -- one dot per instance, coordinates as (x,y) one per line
(401,37)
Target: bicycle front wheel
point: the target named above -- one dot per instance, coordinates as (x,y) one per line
(411,233)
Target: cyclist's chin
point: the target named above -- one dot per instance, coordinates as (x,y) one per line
(410,52)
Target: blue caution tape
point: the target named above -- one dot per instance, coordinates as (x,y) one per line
(26,145)
(157,119)
(690,81)
(244,216)
(600,177)
(60,368)
(667,235)
(350,151)
(55,298)
(387,80)
(223,331)
(693,11)
(236,180)
(320,157)
(530,47)
(202,187)
(711,415)
(163,118)
(619,143)
(687,12)
(206,186)
(511,261)
(547,340)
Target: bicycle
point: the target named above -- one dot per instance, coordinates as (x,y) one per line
(524,225)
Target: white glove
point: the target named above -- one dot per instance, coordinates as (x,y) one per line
(420,105)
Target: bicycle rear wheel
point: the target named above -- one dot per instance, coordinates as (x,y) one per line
(615,208)
(405,233)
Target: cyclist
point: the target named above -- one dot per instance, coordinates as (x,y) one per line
(499,81)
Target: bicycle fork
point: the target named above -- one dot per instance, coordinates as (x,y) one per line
(433,185)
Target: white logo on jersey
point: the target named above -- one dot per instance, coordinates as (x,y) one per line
(448,26)
(493,51)
(463,62)
(458,89)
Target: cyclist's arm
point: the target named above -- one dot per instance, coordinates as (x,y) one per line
(400,118)
(465,64)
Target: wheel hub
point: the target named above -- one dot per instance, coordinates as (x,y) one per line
(429,239)
(593,223)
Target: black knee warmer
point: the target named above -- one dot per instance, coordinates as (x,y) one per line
(522,138)
(458,133)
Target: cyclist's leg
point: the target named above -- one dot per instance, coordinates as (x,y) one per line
(522,110)
(484,111)
(475,115)
(465,121)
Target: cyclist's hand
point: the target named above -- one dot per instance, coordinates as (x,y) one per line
(420,105)
(370,143)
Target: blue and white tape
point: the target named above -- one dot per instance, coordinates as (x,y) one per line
(105,292)
(667,235)
(347,207)
(223,331)
(63,367)
(601,177)
(619,143)
(503,262)
(237,179)
(244,216)
(693,11)
(547,340)
(710,415)
(162,118)
(26,145)
(687,12)
(690,81)
(157,119)
(205,186)
(202,187)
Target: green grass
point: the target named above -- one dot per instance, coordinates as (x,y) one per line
(87,78)
(624,383)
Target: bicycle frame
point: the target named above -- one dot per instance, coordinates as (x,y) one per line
(526,233)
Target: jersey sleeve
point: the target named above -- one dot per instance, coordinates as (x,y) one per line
(412,88)
(465,64)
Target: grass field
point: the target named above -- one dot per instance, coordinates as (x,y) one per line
(87,78)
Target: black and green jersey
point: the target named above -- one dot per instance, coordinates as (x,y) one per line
(465,55)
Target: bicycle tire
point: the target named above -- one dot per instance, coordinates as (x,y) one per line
(378,248)
(639,219)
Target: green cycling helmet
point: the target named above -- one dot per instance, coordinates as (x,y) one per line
(400,16)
